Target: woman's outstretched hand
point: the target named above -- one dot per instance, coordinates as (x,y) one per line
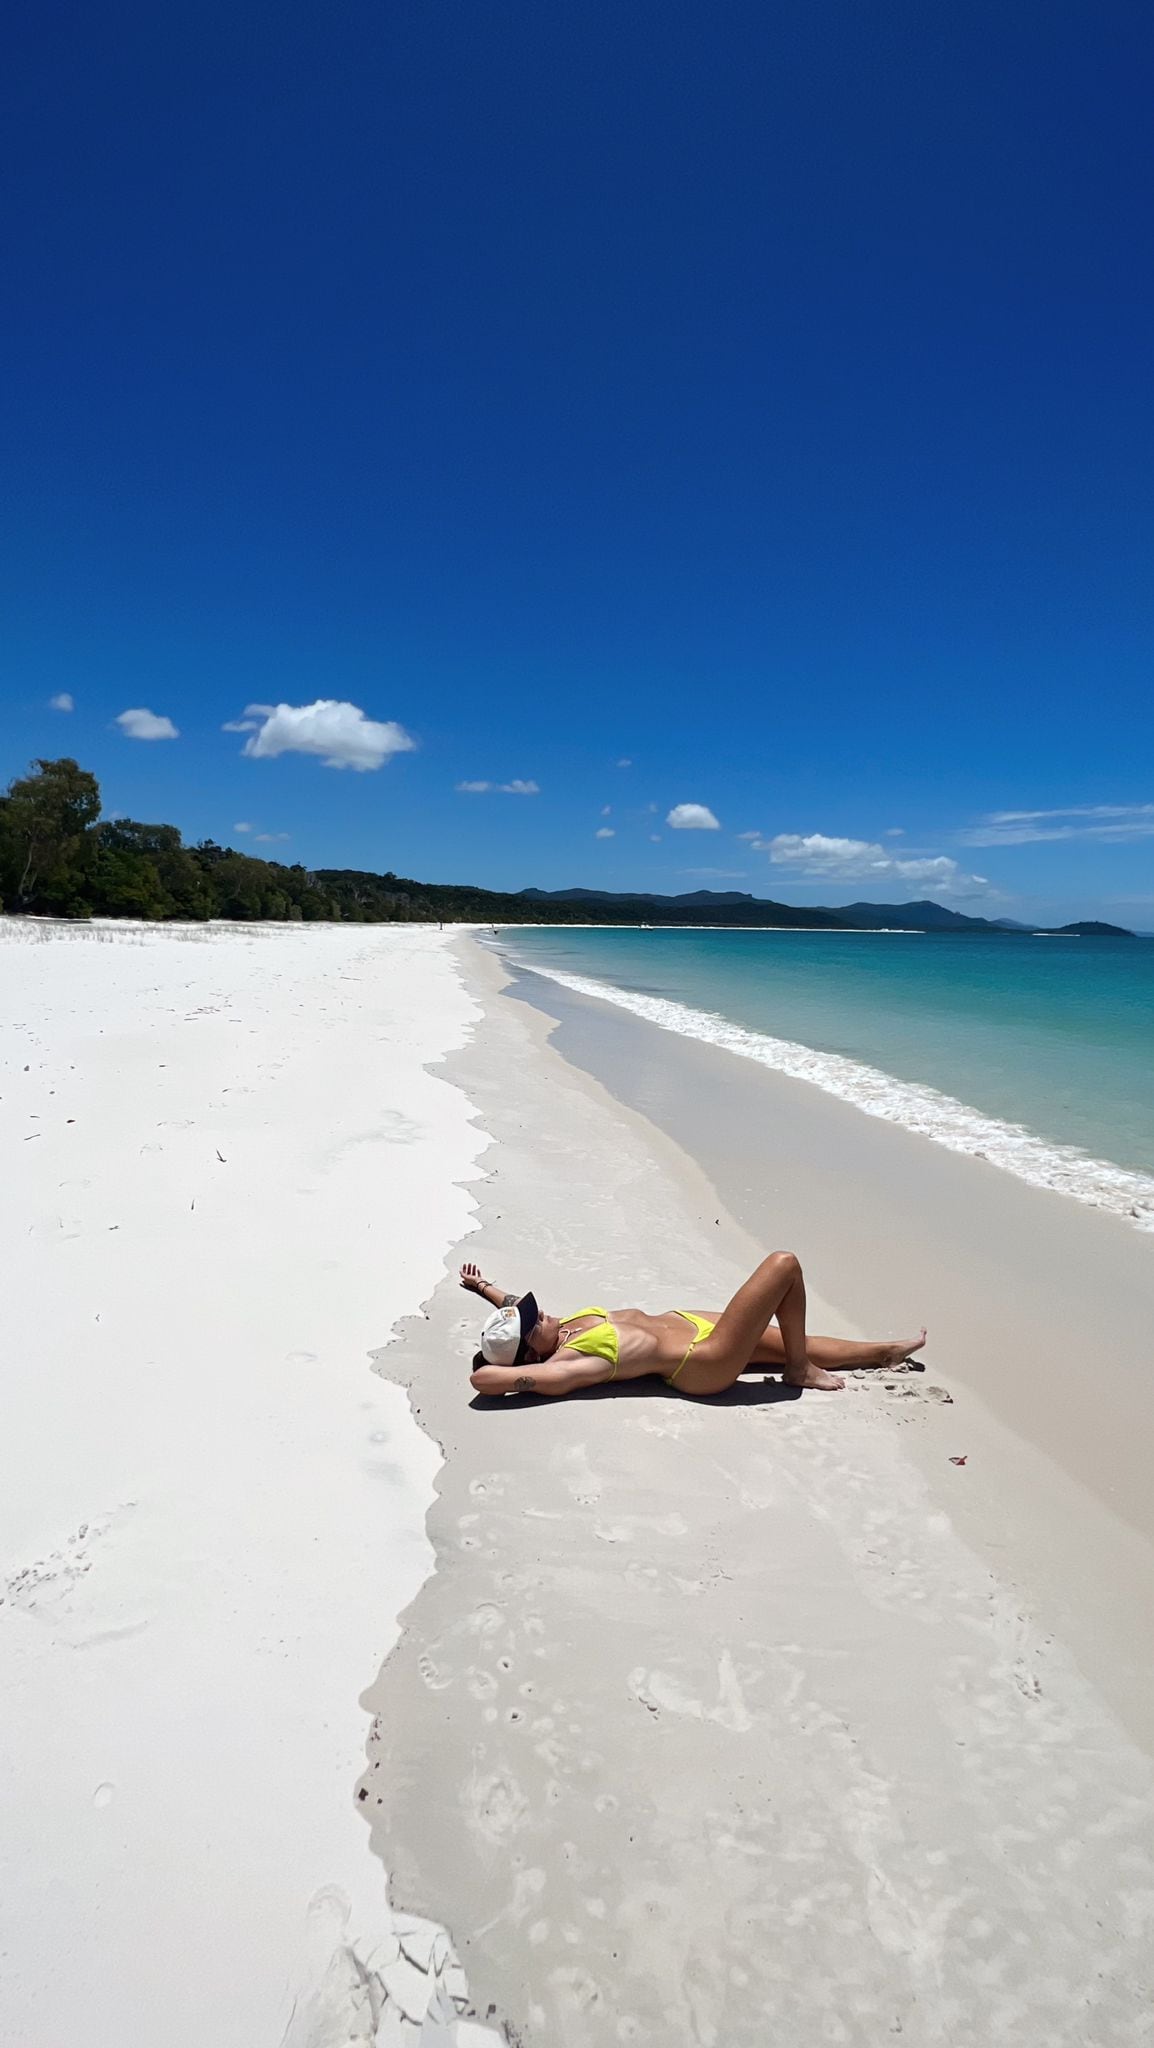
(472,1278)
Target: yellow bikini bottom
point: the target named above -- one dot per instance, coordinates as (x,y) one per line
(703,1327)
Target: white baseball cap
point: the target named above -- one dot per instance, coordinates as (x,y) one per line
(503,1333)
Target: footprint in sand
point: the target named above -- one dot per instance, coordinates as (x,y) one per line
(497,1807)
(908,1392)
(493,1482)
(484,1620)
(581,1482)
(1029,1686)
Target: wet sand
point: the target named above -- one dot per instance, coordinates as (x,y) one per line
(1041,1315)
(726,1723)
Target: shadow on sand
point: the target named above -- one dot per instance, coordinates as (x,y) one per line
(751,1393)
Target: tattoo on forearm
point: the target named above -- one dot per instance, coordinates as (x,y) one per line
(509,1300)
(526,1383)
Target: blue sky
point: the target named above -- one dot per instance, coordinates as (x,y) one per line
(760,396)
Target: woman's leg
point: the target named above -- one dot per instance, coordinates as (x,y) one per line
(776,1289)
(847,1352)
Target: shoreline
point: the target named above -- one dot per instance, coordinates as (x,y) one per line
(916,1106)
(687,1675)
(1059,1494)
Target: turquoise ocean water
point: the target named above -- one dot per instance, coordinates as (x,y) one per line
(1037,1054)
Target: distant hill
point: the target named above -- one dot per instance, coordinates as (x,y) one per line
(922,916)
(919,916)
(905,916)
(934,917)
(371,897)
(701,897)
(695,906)
(1090,928)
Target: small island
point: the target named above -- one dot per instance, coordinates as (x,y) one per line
(1089,928)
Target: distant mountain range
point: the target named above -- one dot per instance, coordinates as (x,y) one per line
(921,916)
(54,864)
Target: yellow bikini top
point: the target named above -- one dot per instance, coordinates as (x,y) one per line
(599,1342)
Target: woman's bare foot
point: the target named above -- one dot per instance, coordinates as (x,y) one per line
(898,1353)
(811,1375)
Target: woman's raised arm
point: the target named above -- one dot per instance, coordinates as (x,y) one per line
(474,1282)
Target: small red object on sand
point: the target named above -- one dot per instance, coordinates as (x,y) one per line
(959,1461)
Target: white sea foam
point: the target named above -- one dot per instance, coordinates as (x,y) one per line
(1065,1169)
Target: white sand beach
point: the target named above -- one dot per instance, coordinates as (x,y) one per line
(714,1724)
(230,1164)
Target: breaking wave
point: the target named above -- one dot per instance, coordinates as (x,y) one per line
(1064,1169)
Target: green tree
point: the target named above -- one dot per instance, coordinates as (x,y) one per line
(126,885)
(239,885)
(144,871)
(47,820)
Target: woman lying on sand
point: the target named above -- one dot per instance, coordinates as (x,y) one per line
(698,1351)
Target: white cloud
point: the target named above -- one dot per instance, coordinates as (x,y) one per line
(240,725)
(605,832)
(895,831)
(270,838)
(606,810)
(1076,811)
(1109,822)
(146,725)
(339,733)
(753,838)
(818,857)
(692,818)
(656,838)
(515,788)
(242,828)
(63,701)
(816,853)
(625,762)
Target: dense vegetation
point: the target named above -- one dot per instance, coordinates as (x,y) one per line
(58,858)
